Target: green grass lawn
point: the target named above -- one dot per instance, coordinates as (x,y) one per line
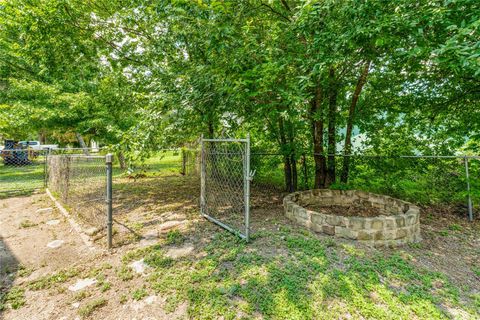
(21,180)
(164,162)
(294,275)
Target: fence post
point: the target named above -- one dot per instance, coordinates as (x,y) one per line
(470,207)
(45,169)
(247,188)
(108,162)
(184,162)
(202,177)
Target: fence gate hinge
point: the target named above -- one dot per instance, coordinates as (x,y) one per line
(251,175)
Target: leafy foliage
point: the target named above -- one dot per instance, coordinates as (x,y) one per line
(139,76)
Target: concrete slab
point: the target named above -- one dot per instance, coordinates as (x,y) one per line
(82,284)
(55,244)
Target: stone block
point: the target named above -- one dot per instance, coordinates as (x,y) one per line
(356,223)
(301,213)
(417,237)
(401,233)
(324,201)
(334,220)
(366,203)
(362,194)
(390,223)
(413,209)
(303,222)
(346,233)
(330,230)
(389,234)
(410,219)
(327,193)
(377,224)
(397,224)
(378,235)
(316,227)
(317,218)
(400,221)
(290,206)
(365,235)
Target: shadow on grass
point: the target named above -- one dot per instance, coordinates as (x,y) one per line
(172,191)
(287,275)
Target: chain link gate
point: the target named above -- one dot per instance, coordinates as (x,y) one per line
(225,184)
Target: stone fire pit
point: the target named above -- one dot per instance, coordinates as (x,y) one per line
(357,215)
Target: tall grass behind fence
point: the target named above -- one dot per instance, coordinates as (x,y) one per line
(166,162)
(423,180)
(79,181)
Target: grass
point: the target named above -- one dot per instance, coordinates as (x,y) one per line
(166,162)
(15,297)
(476,271)
(175,237)
(91,306)
(444,233)
(124,273)
(139,294)
(22,180)
(311,279)
(51,281)
(455,227)
(27,224)
(303,278)
(123,299)
(82,295)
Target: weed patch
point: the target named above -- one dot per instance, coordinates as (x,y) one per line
(15,297)
(50,281)
(91,306)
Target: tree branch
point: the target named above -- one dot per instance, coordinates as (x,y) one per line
(276,12)
(285,4)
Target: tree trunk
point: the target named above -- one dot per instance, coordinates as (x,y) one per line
(42,137)
(332,112)
(351,118)
(211,130)
(121,160)
(287,165)
(316,116)
(305,172)
(293,157)
(82,143)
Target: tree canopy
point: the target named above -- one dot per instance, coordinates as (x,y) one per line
(302,76)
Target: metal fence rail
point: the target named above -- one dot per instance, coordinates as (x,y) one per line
(225,184)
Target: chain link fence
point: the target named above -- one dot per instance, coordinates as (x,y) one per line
(425,180)
(79,181)
(22,171)
(77,177)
